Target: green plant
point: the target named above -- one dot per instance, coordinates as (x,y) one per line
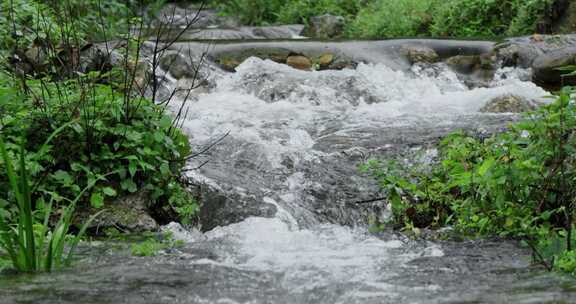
(520,183)
(392,18)
(252,12)
(301,10)
(138,144)
(567,262)
(153,245)
(258,12)
(487,18)
(30,244)
(112,127)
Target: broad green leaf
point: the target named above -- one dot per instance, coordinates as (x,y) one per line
(109,191)
(97,200)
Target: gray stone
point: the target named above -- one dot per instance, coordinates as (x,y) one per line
(178,66)
(325,26)
(222,208)
(100,57)
(523,51)
(508,104)
(545,67)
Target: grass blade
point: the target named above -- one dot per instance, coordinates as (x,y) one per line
(28,220)
(77,238)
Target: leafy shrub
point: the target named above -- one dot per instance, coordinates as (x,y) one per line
(20,22)
(258,12)
(567,262)
(129,147)
(30,244)
(402,18)
(253,12)
(392,18)
(24,21)
(521,183)
(301,10)
(488,18)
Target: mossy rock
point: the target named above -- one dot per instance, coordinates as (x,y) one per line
(129,214)
(508,104)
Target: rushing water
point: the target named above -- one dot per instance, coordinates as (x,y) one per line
(295,140)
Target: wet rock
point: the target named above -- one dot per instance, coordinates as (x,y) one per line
(523,51)
(221,208)
(100,57)
(230,60)
(475,70)
(129,213)
(299,62)
(278,32)
(343,64)
(325,60)
(420,54)
(325,26)
(37,56)
(464,64)
(178,66)
(508,104)
(228,63)
(545,67)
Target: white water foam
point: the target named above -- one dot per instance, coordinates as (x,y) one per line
(278,110)
(274,105)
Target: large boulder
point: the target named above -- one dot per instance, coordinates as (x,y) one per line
(325,27)
(523,51)
(221,207)
(545,67)
(178,66)
(100,57)
(508,104)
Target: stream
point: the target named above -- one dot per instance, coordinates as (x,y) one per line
(285,226)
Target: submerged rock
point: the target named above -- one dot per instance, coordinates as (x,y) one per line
(420,54)
(325,26)
(299,62)
(508,104)
(325,60)
(464,64)
(474,70)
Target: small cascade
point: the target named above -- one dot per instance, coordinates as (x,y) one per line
(281,219)
(296,137)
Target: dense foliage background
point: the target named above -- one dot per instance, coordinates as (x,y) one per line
(394,18)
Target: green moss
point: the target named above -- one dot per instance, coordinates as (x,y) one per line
(152,246)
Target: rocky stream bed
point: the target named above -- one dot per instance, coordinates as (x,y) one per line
(280,221)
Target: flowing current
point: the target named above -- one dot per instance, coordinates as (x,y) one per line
(286,226)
